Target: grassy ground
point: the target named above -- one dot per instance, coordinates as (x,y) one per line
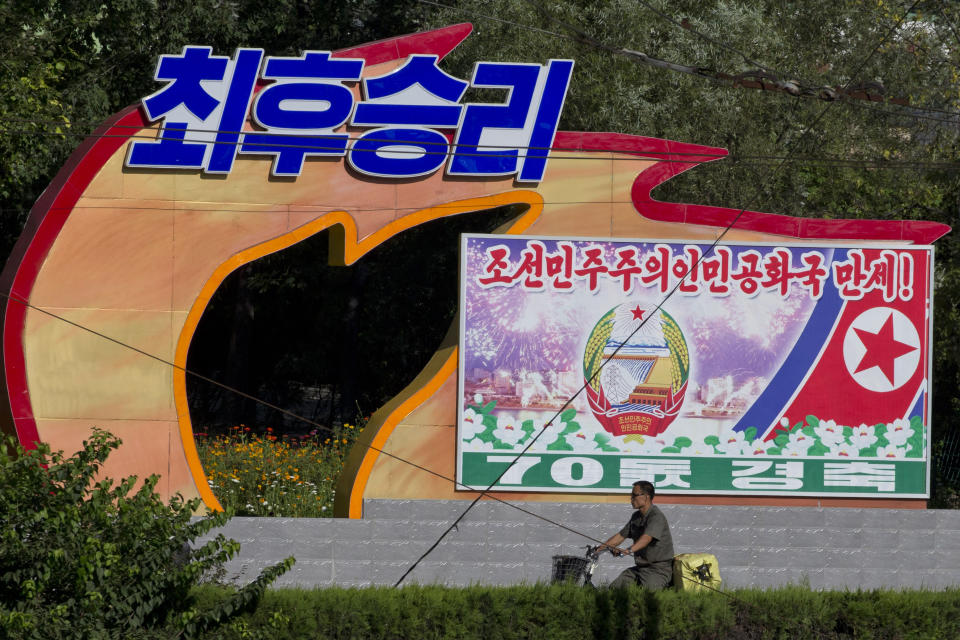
(262,474)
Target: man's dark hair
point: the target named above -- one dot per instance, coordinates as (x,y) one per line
(645,487)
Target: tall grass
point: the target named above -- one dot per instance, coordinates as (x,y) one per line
(263,474)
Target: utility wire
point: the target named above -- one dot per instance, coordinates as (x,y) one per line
(321,208)
(136,129)
(635,156)
(709,251)
(687,26)
(308,421)
(485,492)
(759,79)
(322,146)
(18,300)
(955,120)
(953,28)
(230,389)
(199,376)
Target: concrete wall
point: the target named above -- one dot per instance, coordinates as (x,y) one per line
(496,544)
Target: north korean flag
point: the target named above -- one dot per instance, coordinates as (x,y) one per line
(857,360)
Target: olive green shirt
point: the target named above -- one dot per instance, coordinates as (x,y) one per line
(654,524)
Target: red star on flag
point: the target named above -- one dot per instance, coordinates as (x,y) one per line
(882,349)
(638,313)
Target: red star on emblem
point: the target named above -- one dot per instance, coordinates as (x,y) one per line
(882,349)
(638,313)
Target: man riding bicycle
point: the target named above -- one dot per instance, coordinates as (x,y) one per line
(652,546)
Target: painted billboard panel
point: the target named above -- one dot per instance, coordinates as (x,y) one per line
(753,369)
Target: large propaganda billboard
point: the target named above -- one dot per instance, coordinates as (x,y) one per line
(240,155)
(784,369)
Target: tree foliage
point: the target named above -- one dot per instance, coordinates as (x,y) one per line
(799,156)
(82,558)
(68,64)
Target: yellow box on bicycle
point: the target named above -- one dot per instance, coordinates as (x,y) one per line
(696,572)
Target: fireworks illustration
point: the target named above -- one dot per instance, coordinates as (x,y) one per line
(527,332)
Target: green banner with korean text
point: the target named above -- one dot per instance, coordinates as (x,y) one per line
(751,369)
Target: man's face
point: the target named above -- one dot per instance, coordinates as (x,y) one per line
(639,500)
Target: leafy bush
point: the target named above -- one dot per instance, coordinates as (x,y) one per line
(565,612)
(81,558)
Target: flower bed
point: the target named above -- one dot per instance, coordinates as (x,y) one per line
(263,474)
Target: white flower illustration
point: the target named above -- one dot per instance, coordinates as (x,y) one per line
(863,436)
(899,432)
(652,446)
(829,432)
(549,436)
(478,445)
(477,399)
(798,445)
(508,430)
(844,450)
(697,448)
(472,424)
(582,441)
(733,443)
(757,448)
(892,451)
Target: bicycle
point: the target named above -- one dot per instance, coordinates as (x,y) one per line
(575,569)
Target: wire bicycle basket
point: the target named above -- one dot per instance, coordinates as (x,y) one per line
(569,569)
(575,569)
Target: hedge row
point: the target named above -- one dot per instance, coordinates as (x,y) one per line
(572,613)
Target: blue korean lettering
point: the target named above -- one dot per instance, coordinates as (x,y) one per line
(417,96)
(288,110)
(235,108)
(185,72)
(521,80)
(527,122)
(205,102)
(398,152)
(202,121)
(442,111)
(546,121)
(170,151)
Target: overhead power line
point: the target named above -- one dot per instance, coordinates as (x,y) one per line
(760,78)
(870,91)
(533,514)
(17,300)
(946,18)
(628,155)
(761,181)
(782,162)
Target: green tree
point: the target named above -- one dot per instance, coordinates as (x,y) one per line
(67,65)
(849,159)
(82,558)
(70,63)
